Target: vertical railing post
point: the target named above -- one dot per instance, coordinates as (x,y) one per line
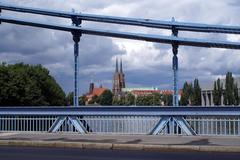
(175,65)
(76,38)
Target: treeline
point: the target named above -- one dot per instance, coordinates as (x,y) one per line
(129,99)
(32,85)
(229,94)
(226,93)
(104,99)
(29,85)
(154,99)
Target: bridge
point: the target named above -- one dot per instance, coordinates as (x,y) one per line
(177,120)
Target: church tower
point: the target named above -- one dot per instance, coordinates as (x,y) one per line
(118,80)
(122,79)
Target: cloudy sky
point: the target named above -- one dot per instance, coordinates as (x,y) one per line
(145,64)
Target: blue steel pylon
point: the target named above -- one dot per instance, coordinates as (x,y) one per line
(175,65)
(76,38)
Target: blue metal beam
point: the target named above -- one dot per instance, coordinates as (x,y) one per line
(122,111)
(175,65)
(183,124)
(77,124)
(76,38)
(160,125)
(127,35)
(57,124)
(195,27)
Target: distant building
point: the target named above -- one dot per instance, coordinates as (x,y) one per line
(94,91)
(118,80)
(143,91)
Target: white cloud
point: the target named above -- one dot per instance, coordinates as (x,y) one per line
(97,54)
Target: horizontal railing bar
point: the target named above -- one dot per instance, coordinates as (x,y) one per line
(195,27)
(127,35)
(121,111)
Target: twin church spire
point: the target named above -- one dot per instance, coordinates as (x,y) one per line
(121,68)
(118,79)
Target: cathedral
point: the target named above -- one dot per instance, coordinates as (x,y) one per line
(118,80)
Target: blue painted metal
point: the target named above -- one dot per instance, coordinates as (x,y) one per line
(169,122)
(160,125)
(122,111)
(196,27)
(72,119)
(175,65)
(0,15)
(76,38)
(77,124)
(57,124)
(127,35)
(76,73)
(184,125)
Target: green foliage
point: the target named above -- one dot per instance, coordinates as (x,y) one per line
(236,96)
(167,99)
(154,99)
(94,100)
(191,94)
(26,85)
(117,101)
(187,94)
(81,101)
(69,99)
(157,99)
(105,98)
(217,92)
(129,99)
(145,100)
(231,93)
(196,93)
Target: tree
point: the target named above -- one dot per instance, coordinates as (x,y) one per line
(69,99)
(141,100)
(230,96)
(118,100)
(157,99)
(28,85)
(196,93)
(217,92)
(105,98)
(191,94)
(167,100)
(129,99)
(94,100)
(82,100)
(187,94)
(236,96)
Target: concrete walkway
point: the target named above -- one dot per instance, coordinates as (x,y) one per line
(131,142)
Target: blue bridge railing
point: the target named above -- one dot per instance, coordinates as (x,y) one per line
(123,120)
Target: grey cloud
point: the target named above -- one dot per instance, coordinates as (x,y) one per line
(55,49)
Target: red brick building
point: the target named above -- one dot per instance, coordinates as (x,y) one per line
(94,91)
